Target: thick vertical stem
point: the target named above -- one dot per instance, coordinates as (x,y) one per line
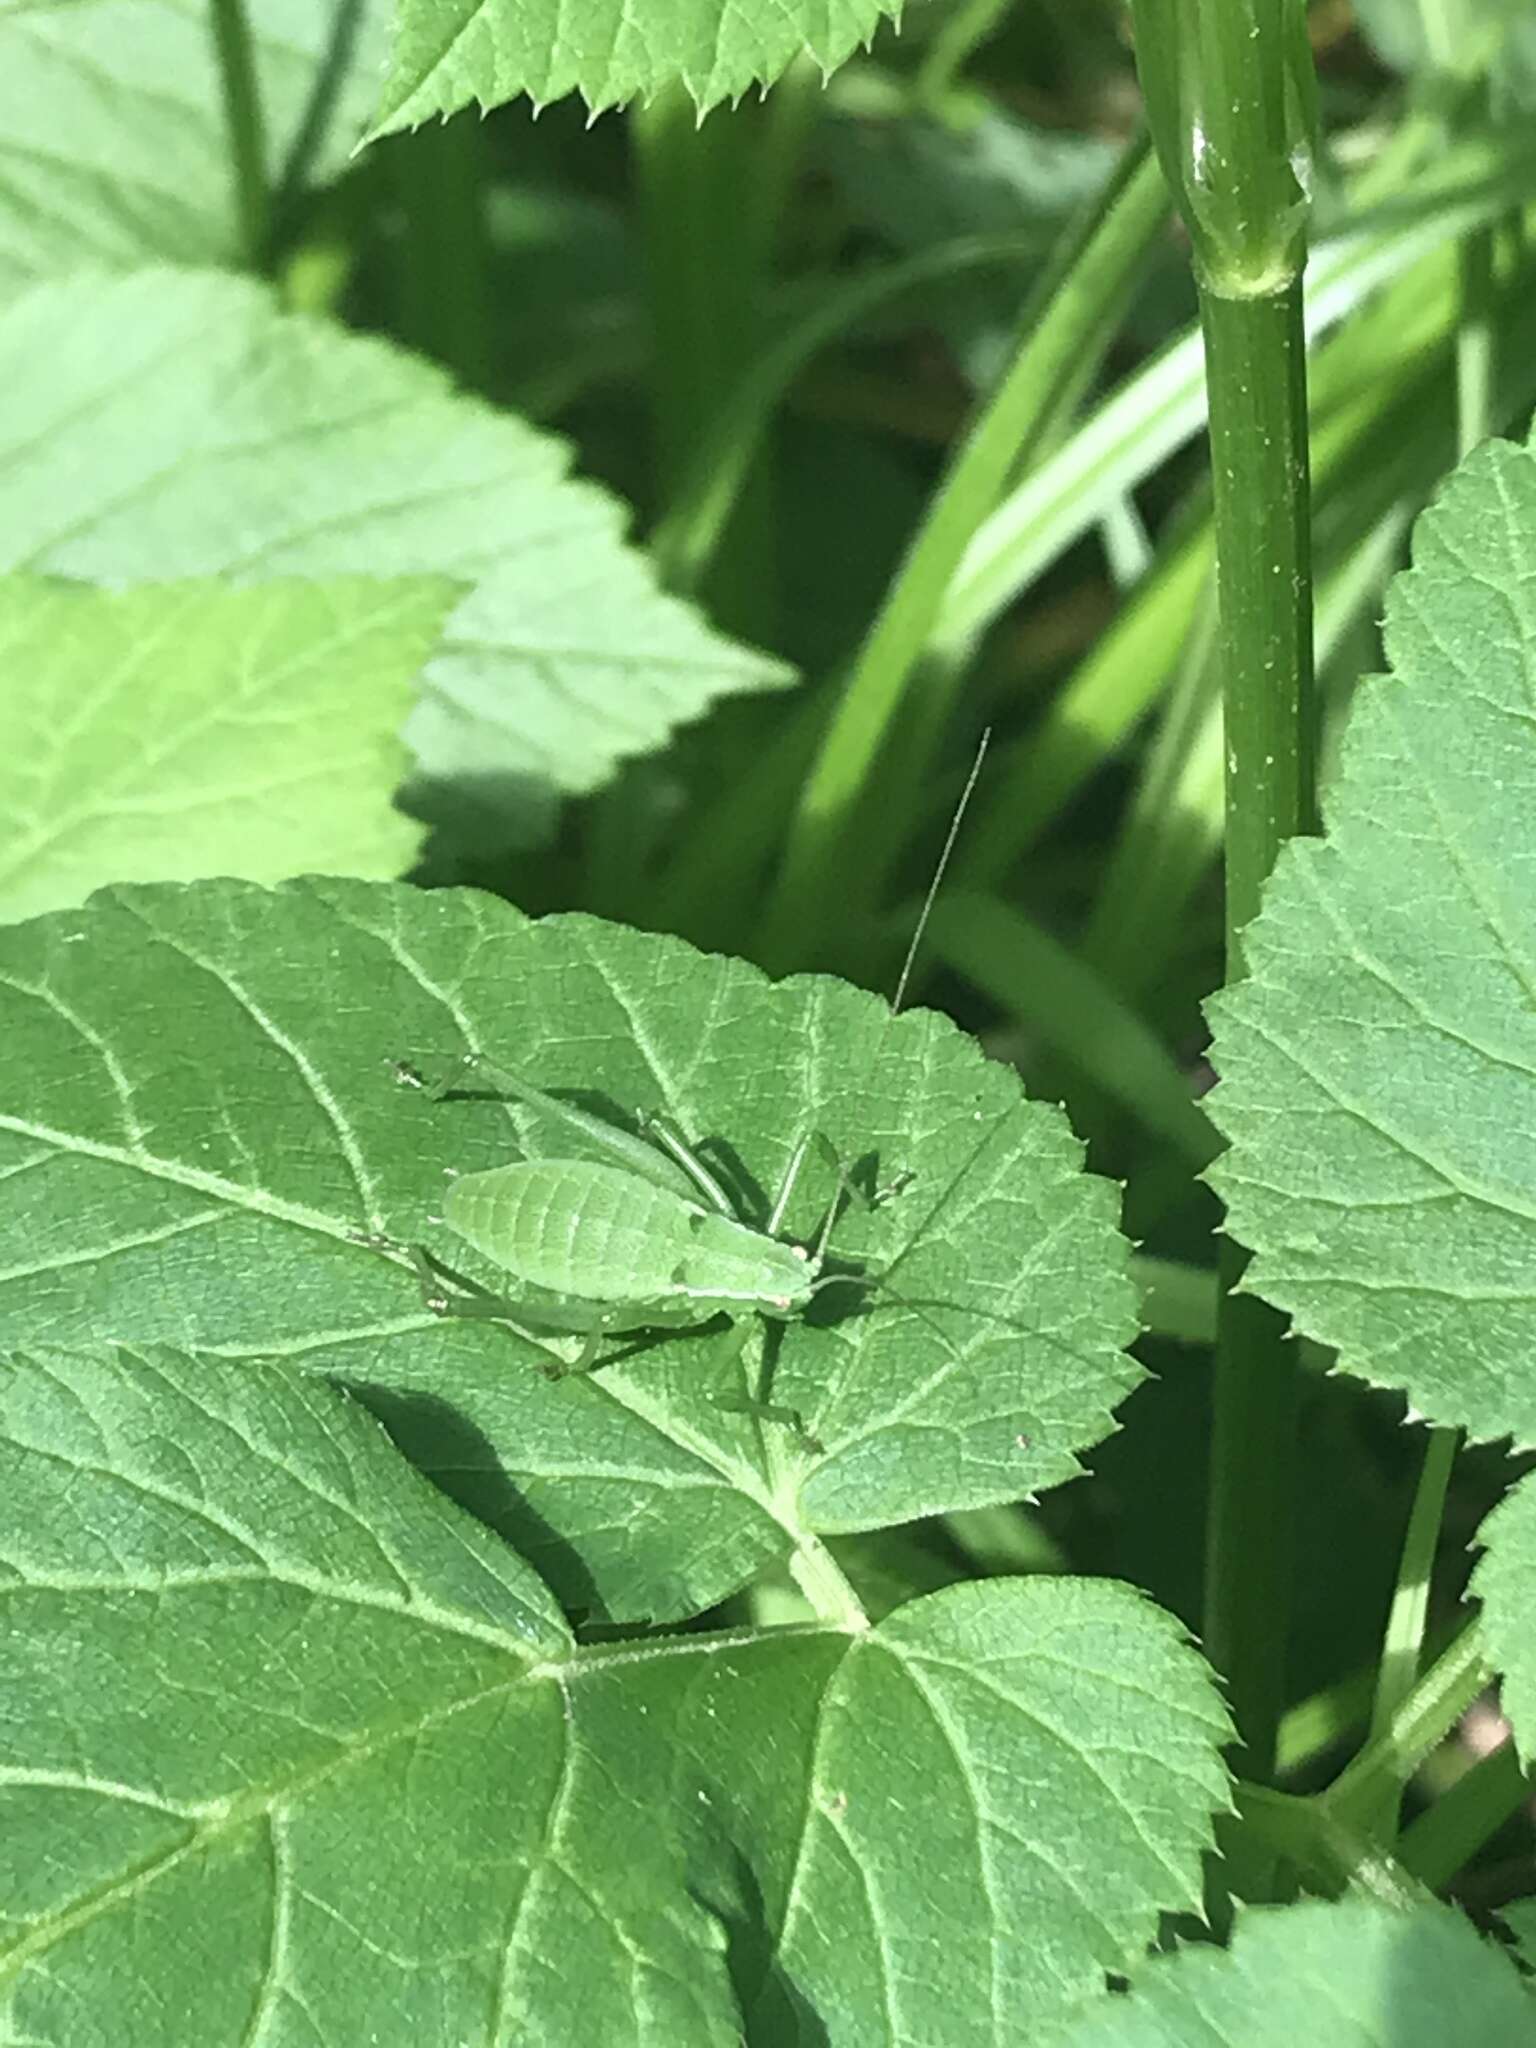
(1230,94)
(1256,366)
(1256,370)
(247,131)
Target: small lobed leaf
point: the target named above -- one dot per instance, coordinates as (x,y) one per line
(1349,1973)
(114,149)
(202,1182)
(221,437)
(454,53)
(193,729)
(1378,1065)
(300,1751)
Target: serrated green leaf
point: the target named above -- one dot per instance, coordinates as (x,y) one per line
(198,1096)
(287,1751)
(299,1751)
(1519,1916)
(1505,1582)
(454,53)
(1378,1066)
(218,436)
(193,729)
(113,143)
(1351,1973)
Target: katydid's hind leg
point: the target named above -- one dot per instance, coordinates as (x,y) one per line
(443,1302)
(663,1162)
(499,1308)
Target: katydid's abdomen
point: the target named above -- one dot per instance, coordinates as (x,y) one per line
(603,1235)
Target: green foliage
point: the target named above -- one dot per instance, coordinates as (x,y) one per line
(1459,37)
(1379,1064)
(301,1738)
(373,1675)
(1350,1975)
(222,437)
(206,1192)
(112,144)
(185,729)
(454,53)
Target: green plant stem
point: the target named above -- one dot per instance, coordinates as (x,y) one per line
(1257,366)
(825,1585)
(699,266)
(443,274)
(1281,1831)
(1176,1301)
(1476,371)
(1256,357)
(1009,428)
(1231,102)
(1404,1641)
(968,26)
(1429,1713)
(1322,1720)
(1445,1838)
(246,127)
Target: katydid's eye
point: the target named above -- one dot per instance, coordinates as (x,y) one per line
(800,1251)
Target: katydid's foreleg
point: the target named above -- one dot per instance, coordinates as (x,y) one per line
(846,1187)
(787,1186)
(846,1184)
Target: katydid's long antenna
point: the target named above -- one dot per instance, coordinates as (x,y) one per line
(938,874)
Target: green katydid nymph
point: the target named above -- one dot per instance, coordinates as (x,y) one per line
(644,1238)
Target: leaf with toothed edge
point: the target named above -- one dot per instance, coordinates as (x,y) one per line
(199,1106)
(1378,1063)
(114,144)
(300,1751)
(1339,1973)
(187,729)
(454,53)
(221,436)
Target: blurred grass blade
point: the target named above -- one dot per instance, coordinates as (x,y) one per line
(684,542)
(1157,410)
(1064,1003)
(1072,315)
